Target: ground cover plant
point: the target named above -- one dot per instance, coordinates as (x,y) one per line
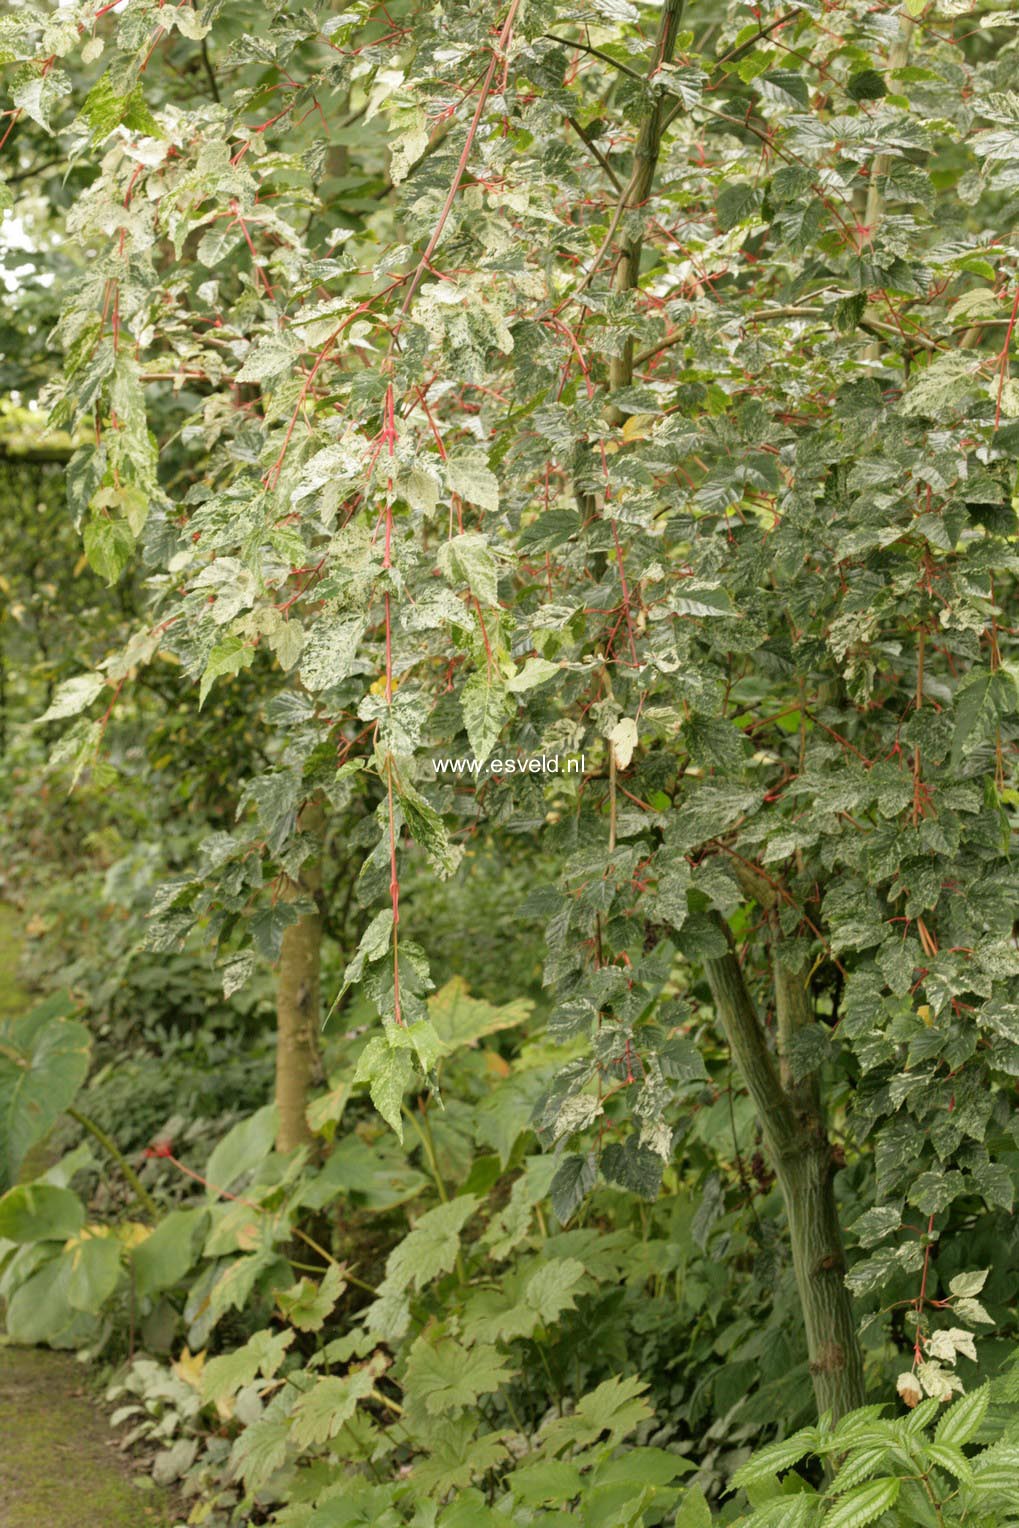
(418,1130)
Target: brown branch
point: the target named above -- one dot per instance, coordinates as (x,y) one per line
(596,151)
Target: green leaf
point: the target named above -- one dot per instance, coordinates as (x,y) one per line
(784,1512)
(468,559)
(94,1271)
(73,696)
(228,657)
(863,1505)
(261,1450)
(389,1071)
(242,1149)
(104,109)
(961,1422)
(616,1407)
(983,697)
(574,1179)
(734,204)
(39,1311)
(261,1354)
(447,1377)
(548,1483)
(39,1212)
(456,1455)
(166,1255)
(427,829)
(431,1247)
(461,1020)
(484,707)
(866,85)
(776,1456)
(44,1059)
(636,1168)
(694,1511)
(552,1289)
(108,547)
(307,1304)
(951,1459)
(469,475)
(373,944)
(332,1401)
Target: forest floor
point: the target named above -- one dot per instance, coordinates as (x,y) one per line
(59,1462)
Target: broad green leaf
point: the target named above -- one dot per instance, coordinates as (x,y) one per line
(376,1177)
(694,1511)
(44,1059)
(617,1406)
(388,1070)
(307,1304)
(573,1181)
(95,1268)
(39,1311)
(169,1251)
(242,1150)
(431,1247)
(469,559)
(39,1212)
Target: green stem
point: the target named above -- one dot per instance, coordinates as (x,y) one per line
(110,1146)
(424,1135)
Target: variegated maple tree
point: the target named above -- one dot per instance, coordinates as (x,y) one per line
(613,380)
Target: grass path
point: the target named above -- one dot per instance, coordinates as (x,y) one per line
(59,1464)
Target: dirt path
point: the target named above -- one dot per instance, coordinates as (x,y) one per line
(59,1464)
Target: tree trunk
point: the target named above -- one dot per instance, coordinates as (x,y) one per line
(298,1002)
(636,194)
(797,1143)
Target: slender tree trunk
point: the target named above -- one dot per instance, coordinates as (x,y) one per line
(298,1002)
(797,1143)
(645,163)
